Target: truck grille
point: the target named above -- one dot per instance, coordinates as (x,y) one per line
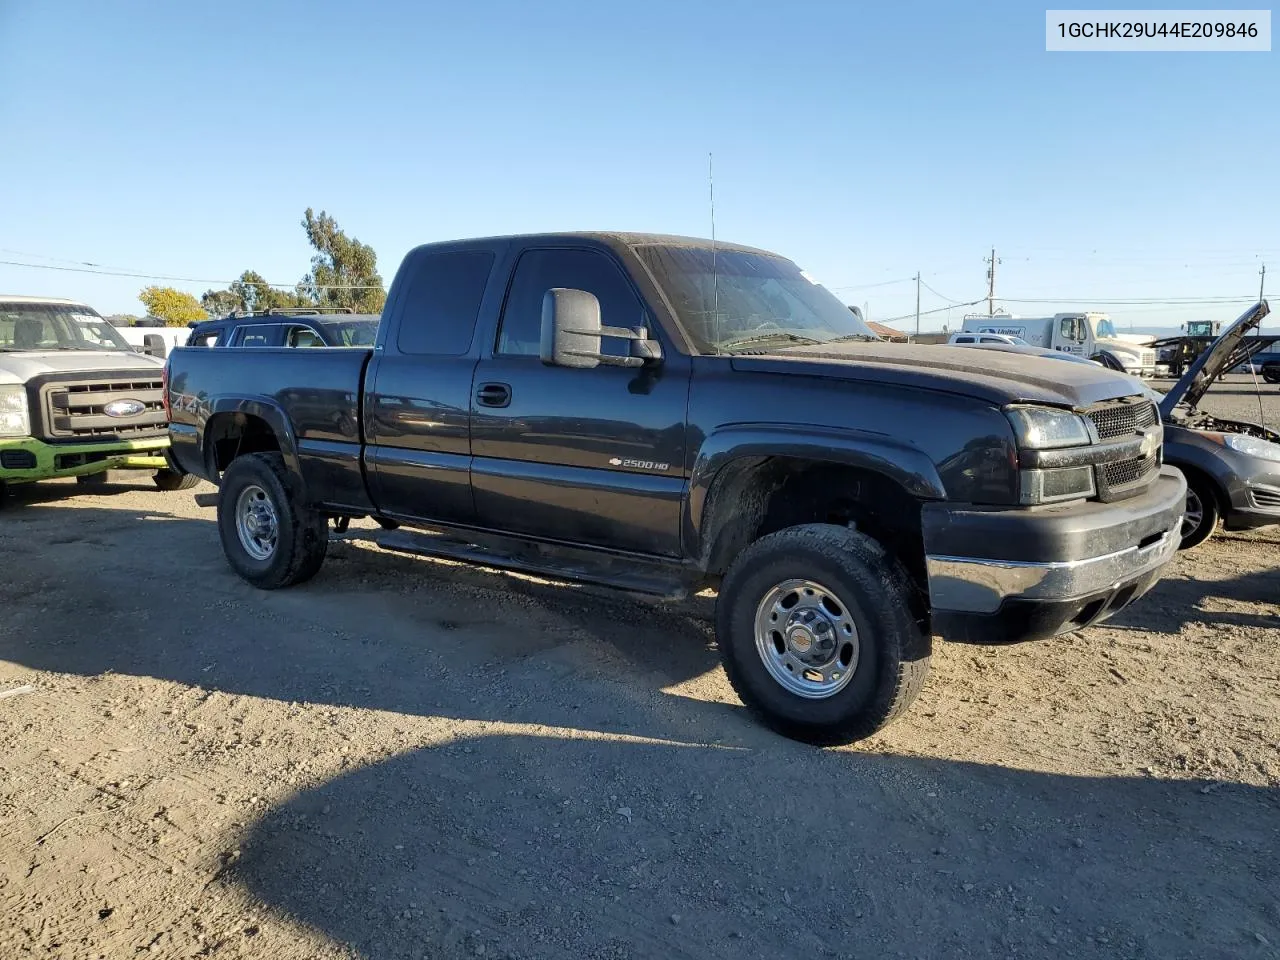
(1119,420)
(1122,418)
(1124,472)
(102,407)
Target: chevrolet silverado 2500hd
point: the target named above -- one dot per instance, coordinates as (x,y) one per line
(662,414)
(75,399)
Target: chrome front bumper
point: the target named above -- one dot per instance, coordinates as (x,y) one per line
(975,585)
(1007,574)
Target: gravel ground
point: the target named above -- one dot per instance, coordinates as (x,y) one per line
(407,758)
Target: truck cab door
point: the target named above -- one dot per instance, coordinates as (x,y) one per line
(586,456)
(1068,335)
(417,398)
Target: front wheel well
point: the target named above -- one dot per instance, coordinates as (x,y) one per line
(771,494)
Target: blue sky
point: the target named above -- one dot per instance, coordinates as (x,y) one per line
(864,141)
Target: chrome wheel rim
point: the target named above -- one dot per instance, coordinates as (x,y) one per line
(1194,515)
(256,523)
(806,639)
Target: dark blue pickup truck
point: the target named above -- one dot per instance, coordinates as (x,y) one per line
(662,414)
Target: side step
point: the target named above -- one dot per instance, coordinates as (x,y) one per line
(560,563)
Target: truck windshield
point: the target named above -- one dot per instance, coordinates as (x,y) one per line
(1105,330)
(747,298)
(55,326)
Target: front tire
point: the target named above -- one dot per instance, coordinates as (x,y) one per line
(1271,373)
(270,539)
(817,636)
(1202,511)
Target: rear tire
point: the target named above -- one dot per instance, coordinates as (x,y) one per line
(795,595)
(270,539)
(171,480)
(1202,511)
(1271,373)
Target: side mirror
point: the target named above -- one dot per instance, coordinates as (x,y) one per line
(571,332)
(153,346)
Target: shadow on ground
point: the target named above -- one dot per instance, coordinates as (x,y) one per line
(523,846)
(634,823)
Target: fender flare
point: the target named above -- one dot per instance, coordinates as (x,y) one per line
(273,415)
(737,449)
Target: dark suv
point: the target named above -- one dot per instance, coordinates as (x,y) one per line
(295,328)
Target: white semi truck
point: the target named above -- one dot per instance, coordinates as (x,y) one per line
(1090,335)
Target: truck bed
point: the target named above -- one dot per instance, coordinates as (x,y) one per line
(317,392)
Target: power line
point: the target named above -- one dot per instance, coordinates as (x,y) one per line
(925,313)
(1136,301)
(868,286)
(942,296)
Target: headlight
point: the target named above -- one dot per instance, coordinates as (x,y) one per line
(1251,446)
(1044,428)
(14,421)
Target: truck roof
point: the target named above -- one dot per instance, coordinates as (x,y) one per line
(611,237)
(21,298)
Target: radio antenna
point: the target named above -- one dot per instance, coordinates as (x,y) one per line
(715,276)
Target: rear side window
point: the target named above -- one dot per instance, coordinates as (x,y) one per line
(258,335)
(303,337)
(964,339)
(442,303)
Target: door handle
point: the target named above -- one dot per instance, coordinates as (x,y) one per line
(493,395)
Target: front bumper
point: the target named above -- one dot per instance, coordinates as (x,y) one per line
(26,459)
(1254,494)
(1004,575)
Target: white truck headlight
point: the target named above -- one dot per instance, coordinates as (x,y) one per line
(1044,428)
(1252,446)
(14,418)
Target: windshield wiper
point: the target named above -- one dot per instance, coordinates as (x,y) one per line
(853,336)
(765,337)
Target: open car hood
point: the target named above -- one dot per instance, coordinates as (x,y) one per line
(1231,349)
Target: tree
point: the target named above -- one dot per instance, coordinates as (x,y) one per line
(344,271)
(122,319)
(250,292)
(174,307)
(219,303)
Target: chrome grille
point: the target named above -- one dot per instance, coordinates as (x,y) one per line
(1123,418)
(1124,472)
(1266,497)
(75,410)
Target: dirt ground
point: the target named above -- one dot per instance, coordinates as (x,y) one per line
(412,759)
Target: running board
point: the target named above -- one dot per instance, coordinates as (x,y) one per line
(559,563)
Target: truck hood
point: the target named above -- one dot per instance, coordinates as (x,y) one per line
(993,376)
(1228,351)
(19,367)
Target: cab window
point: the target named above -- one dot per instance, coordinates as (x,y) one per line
(303,337)
(257,335)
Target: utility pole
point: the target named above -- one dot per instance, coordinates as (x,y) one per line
(991,283)
(1262,283)
(917,304)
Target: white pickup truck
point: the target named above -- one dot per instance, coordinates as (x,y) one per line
(76,400)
